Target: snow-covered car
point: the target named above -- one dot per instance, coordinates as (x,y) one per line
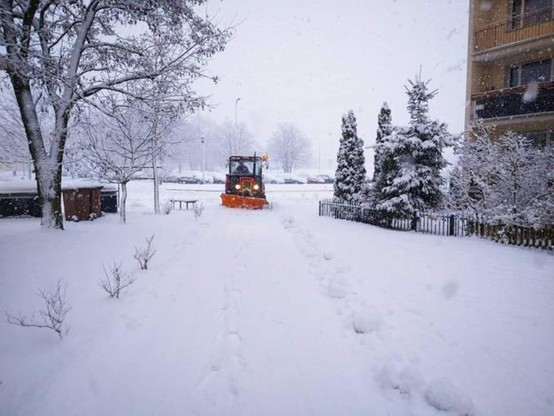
(295,179)
(326,178)
(189,179)
(315,179)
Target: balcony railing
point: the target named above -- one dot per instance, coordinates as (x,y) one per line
(517,101)
(516,29)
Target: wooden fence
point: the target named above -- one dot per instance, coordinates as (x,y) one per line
(514,234)
(440,224)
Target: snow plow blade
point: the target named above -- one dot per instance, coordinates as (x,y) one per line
(238,201)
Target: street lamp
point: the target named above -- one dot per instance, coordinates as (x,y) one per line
(319,155)
(202,140)
(236,110)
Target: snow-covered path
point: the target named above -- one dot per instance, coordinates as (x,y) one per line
(276,349)
(276,312)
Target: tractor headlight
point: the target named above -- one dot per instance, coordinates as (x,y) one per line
(256,187)
(237,186)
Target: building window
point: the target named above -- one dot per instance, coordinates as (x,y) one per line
(524,13)
(540,71)
(515,72)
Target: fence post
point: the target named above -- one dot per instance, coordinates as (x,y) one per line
(451,225)
(414,222)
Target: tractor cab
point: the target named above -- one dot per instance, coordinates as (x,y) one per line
(244,185)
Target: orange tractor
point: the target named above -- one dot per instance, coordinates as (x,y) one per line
(244,186)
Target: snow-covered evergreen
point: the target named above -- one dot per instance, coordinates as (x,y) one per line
(412,159)
(384,129)
(350,175)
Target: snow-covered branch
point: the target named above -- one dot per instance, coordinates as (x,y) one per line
(51,317)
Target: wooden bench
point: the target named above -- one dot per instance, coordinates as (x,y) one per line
(187,202)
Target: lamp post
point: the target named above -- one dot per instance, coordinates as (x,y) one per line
(202,140)
(319,155)
(236,111)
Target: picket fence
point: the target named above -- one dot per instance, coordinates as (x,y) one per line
(441,224)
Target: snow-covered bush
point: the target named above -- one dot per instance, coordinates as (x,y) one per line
(198,208)
(116,280)
(167,207)
(144,255)
(51,317)
(506,180)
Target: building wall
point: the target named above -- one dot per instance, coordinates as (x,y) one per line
(495,44)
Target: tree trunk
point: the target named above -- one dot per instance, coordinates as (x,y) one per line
(122,202)
(155,167)
(47,169)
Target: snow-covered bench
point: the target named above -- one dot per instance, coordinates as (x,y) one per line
(187,202)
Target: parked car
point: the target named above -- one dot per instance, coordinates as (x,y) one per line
(294,179)
(315,179)
(189,179)
(171,179)
(273,178)
(326,178)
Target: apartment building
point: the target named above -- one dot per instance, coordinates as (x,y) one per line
(510,80)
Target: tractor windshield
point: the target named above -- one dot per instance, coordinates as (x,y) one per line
(246,167)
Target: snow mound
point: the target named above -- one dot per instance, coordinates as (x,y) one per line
(444,396)
(450,289)
(406,382)
(367,321)
(328,255)
(337,289)
(288,221)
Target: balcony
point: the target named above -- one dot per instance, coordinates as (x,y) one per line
(510,102)
(518,28)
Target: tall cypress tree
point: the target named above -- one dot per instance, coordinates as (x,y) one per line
(414,180)
(350,174)
(384,129)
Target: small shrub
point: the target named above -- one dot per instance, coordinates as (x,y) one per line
(52,317)
(116,280)
(144,255)
(198,208)
(167,207)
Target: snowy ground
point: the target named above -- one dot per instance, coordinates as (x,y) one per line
(274,312)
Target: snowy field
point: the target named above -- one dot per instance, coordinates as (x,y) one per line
(274,312)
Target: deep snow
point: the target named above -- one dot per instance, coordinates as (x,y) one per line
(274,312)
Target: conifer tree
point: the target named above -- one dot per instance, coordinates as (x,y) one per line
(384,129)
(350,175)
(413,181)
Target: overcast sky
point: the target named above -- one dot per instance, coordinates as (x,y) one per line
(310,61)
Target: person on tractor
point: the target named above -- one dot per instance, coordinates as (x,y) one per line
(241,169)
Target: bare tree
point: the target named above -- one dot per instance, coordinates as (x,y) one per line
(14,150)
(116,148)
(186,148)
(62,55)
(52,317)
(235,138)
(289,147)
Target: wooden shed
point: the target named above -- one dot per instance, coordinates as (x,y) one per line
(82,202)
